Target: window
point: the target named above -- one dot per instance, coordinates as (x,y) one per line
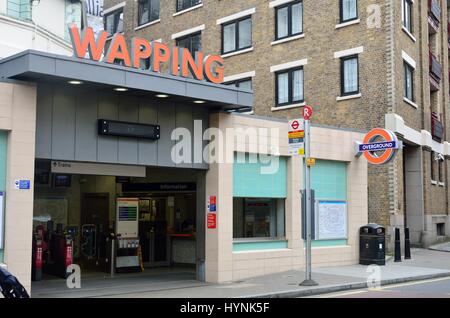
(409,81)
(407,14)
(19,9)
(258,218)
(289,86)
(349,10)
(186,4)
(440,229)
(349,75)
(289,20)
(148,11)
(192,42)
(114,22)
(432,165)
(440,171)
(237,35)
(245,83)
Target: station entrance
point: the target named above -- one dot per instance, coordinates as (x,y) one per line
(113,225)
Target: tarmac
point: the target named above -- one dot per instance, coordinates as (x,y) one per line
(181,283)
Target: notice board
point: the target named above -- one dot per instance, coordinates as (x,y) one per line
(127,222)
(331,220)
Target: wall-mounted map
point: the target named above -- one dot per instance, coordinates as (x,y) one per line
(331,220)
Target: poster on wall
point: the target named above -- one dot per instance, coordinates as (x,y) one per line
(331,220)
(2,209)
(50,209)
(94,15)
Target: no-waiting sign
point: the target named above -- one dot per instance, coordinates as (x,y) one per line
(296,135)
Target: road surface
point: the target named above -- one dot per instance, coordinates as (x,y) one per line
(433,288)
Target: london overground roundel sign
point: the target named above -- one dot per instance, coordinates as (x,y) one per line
(379,146)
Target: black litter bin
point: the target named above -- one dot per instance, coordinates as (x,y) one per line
(372,243)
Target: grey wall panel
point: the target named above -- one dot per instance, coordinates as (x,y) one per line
(107,149)
(129,112)
(184,120)
(166,119)
(147,149)
(86,125)
(67,126)
(44,121)
(63,124)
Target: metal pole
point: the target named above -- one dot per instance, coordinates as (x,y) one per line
(308,279)
(113,256)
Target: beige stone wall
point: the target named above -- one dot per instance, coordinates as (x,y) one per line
(222,264)
(18,117)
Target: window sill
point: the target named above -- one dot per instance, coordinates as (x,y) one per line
(441,184)
(433,182)
(408,33)
(344,24)
(259,240)
(340,98)
(188,9)
(274,109)
(237,52)
(291,38)
(410,102)
(147,24)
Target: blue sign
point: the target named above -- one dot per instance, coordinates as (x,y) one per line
(378,146)
(212,207)
(22,184)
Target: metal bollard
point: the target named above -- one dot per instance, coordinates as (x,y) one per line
(407,244)
(397,250)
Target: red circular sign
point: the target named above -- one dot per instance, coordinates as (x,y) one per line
(295,125)
(307,112)
(388,154)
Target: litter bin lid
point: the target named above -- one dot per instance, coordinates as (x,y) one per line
(372,228)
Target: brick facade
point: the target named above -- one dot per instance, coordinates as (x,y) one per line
(381,77)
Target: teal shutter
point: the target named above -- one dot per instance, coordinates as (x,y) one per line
(249,182)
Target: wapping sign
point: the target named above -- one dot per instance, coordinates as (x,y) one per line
(178,61)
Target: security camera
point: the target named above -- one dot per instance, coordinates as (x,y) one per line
(439,157)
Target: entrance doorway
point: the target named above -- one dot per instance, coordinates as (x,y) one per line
(95,230)
(153,222)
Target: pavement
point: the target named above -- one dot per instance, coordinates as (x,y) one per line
(444,247)
(181,283)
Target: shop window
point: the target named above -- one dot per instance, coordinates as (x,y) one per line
(237,35)
(349,75)
(289,87)
(148,11)
(3,156)
(289,20)
(191,42)
(258,218)
(114,22)
(186,4)
(407,15)
(409,81)
(349,10)
(19,9)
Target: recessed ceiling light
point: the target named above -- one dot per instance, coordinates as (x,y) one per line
(120,89)
(162,95)
(199,102)
(75,82)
